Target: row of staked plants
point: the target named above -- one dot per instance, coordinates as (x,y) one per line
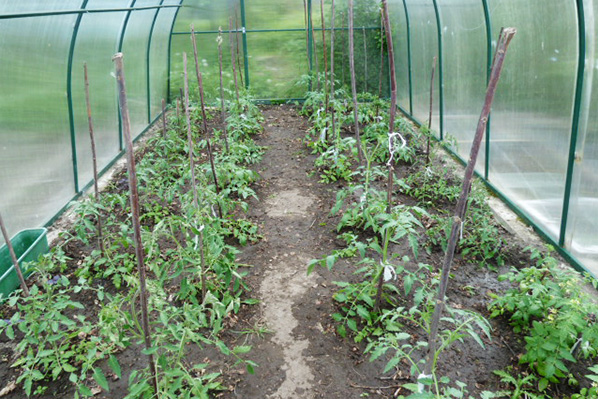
(194,282)
(389,303)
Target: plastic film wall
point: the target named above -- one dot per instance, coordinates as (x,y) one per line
(541,149)
(45,152)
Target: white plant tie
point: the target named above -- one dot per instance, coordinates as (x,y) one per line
(389,273)
(323,134)
(393,144)
(461,233)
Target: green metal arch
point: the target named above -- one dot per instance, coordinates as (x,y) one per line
(440,69)
(69,93)
(581,31)
(489,69)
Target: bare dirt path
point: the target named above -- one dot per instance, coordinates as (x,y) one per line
(299,356)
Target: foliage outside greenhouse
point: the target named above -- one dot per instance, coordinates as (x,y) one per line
(294,220)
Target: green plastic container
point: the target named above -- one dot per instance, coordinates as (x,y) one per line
(28,245)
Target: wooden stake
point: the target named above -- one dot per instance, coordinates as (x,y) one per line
(391,66)
(306,33)
(204,117)
(238,50)
(315,51)
(431,108)
(232,56)
(164,118)
(325,58)
(134,198)
(332,35)
(190,143)
(93,156)
(503,44)
(354,82)
(222,108)
(365,55)
(381,52)
(344,56)
(13,257)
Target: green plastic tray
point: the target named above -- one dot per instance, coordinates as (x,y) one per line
(28,245)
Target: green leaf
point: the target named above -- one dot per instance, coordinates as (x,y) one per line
(342,331)
(250,369)
(542,384)
(330,260)
(391,364)
(100,378)
(150,351)
(352,324)
(114,366)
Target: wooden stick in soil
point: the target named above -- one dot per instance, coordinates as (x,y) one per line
(332,35)
(431,109)
(205,118)
(382,32)
(232,56)
(93,156)
(222,108)
(164,130)
(354,82)
(499,57)
(306,32)
(391,126)
(365,55)
(192,166)
(315,51)
(344,56)
(13,257)
(325,59)
(238,50)
(134,198)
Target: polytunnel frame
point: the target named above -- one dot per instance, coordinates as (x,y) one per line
(559,242)
(70,60)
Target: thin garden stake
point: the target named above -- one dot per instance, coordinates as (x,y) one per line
(232,56)
(163,118)
(344,56)
(222,110)
(354,81)
(205,119)
(503,43)
(306,32)
(325,58)
(332,34)
(13,257)
(134,198)
(431,108)
(189,134)
(192,166)
(238,50)
(365,55)
(391,133)
(315,51)
(178,109)
(381,52)
(93,156)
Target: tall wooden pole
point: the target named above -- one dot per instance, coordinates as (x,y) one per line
(13,257)
(354,81)
(134,198)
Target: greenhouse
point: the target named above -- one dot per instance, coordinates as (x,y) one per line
(298,199)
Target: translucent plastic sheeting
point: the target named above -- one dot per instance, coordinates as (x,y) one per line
(424,44)
(97,41)
(396,9)
(36,170)
(582,231)
(465,72)
(279,14)
(135,59)
(531,117)
(277,61)
(159,57)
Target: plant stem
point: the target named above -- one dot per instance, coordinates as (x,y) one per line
(503,43)
(13,257)
(134,197)
(431,109)
(93,156)
(354,82)
(222,108)
(232,56)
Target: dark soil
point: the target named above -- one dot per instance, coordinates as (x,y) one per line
(294,338)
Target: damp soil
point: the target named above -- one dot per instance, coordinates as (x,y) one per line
(293,337)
